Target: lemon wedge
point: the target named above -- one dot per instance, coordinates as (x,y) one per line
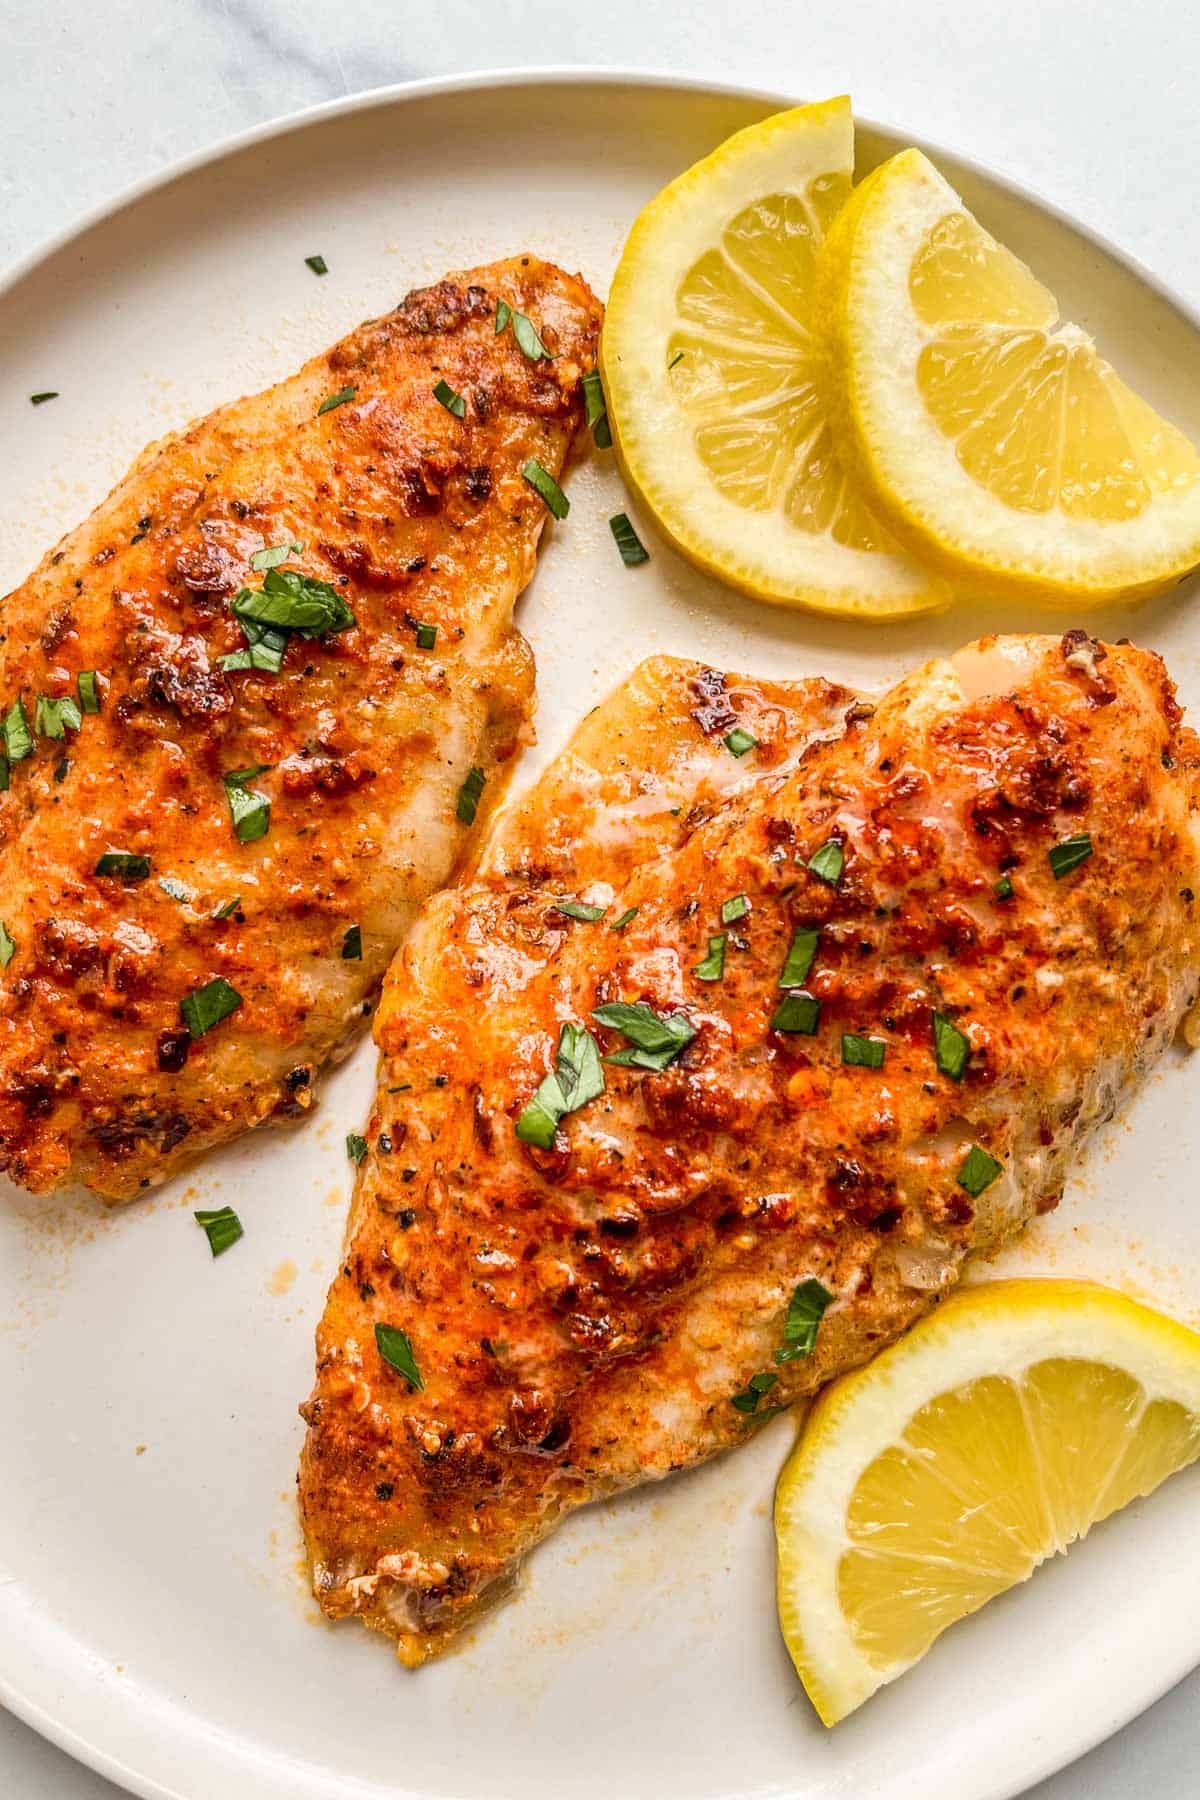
(709,367)
(991,437)
(997,1432)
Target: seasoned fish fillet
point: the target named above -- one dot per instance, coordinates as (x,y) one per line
(304,603)
(955,925)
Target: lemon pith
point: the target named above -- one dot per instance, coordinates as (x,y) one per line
(995,1434)
(710,369)
(992,438)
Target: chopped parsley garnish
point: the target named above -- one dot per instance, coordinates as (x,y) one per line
(228,909)
(41,399)
(271,555)
(18,739)
(654,1040)
(206,1006)
(338,399)
(806,1309)
(978,1171)
(737,741)
(545,485)
(395,1347)
(1069,854)
(758,1385)
(426,636)
(356,1146)
(712,966)
(174,890)
(576,1078)
(625,919)
(89,693)
(126,864)
(799,959)
(352,944)
(54,718)
(222,1228)
(678,357)
(797,1012)
(951,1047)
(579,909)
(249,810)
(503,315)
(528,341)
(596,409)
(1003,889)
(863,1052)
(317,264)
(469,795)
(454,403)
(828,862)
(293,602)
(735,909)
(8,947)
(632,549)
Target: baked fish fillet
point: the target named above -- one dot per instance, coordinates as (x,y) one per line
(396,674)
(581,1317)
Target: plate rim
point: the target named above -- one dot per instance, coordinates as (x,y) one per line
(31,1712)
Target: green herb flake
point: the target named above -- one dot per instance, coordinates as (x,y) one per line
(88,691)
(576,1078)
(317,264)
(454,403)
(806,1309)
(18,739)
(758,1385)
(5,777)
(8,947)
(503,315)
(426,636)
(127,865)
(222,1228)
(228,909)
(951,1047)
(799,959)
(677,358)
(545,485)
(528,341)
(579,909)
(469,795)
(596,410)
(655,1040)
(632,549)
(289,601)
(249,810)
(338,399)
(206,1006)
(271,555)
(737,741)
(625,919)
(54,718)
(395,1347)
(41,399)
(828,862)
(1069,854)
(711,967)
(797,1012)
(356,1146)
(352,944)
(862,1052)
(978,1171)
(1003,889)
(735,909)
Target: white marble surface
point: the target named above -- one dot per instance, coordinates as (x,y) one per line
(1092,104)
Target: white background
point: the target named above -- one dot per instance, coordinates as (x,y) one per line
(1094,105)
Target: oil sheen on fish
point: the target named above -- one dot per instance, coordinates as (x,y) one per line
(251,706)
(902,957)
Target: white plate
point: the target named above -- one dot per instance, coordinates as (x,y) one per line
(153,1617)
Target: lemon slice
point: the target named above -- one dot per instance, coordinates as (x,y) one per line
(997,1432)
(709,361)
(993,438)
